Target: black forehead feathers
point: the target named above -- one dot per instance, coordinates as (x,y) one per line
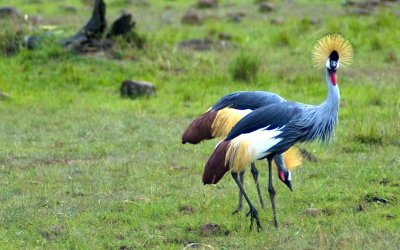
(334,56)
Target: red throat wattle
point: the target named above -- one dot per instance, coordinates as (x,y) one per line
(281,175)
(333,78)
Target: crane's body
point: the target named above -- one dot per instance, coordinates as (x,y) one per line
(273,129)
(270,130)
(225,114)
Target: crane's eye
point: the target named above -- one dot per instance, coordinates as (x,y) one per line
(333,65)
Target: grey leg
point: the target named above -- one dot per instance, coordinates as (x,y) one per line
(240,203)
(254,172)
(253,212)
(271,191)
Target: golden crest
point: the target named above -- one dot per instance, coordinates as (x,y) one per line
(324,47)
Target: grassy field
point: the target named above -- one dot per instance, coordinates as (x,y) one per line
(82,168)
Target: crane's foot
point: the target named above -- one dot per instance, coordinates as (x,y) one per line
(254,216)
(238,210)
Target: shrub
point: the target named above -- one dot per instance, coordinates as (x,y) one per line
(245,67)
(11,37)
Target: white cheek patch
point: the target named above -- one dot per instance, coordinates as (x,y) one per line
(328,65)
(289,176)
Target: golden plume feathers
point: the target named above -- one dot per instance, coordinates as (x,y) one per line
(224,121)
(328,43)
(239,154)
(292,158)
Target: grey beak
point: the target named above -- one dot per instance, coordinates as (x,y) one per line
(289,185)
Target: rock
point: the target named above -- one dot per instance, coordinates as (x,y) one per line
(236,17)
(207,3)
(134,89)
(192,17)
(9,12)
(266,7)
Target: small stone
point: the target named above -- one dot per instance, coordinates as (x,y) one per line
(134,89)
(192,18)
(266,7)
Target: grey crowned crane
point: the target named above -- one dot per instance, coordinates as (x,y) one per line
(223,115)
(271,130)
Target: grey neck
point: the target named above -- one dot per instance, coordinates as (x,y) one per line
(331,103)
(321,119)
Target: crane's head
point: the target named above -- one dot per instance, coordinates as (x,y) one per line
(331,51)
(332,63)
(285,176)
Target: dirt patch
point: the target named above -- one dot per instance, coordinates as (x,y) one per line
(384,181)
(209,229)
(315,212)
(120,237)
(53,232)
(375,199)
(212,229)
(372,138)
(141,198)
(208,43)
(389,216)
(371,198)
(186,209)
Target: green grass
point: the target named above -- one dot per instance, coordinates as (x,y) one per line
(82,168)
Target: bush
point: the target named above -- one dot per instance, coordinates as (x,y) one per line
(11,37)
(245,67)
